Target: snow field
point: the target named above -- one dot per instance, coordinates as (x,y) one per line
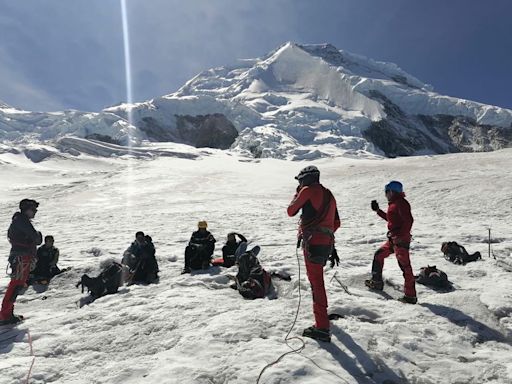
(195,329)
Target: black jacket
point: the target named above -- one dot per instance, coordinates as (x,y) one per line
(202,238)
(230,247)
(142,251)
(48,256)
(22,235)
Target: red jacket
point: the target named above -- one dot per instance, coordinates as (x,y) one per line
(399,218)
(311,200)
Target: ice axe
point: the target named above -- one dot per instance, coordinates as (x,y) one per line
(344,286)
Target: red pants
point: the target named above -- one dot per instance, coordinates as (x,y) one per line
(402,256)
(316,279)
(17,283)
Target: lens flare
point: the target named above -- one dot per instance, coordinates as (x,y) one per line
(127,60)
(129,181)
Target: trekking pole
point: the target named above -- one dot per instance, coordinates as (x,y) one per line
(489,229)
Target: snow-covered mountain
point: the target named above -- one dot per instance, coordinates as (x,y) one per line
(297,102)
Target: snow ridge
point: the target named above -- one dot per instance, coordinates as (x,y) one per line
(297,102)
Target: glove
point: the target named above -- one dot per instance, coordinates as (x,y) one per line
(375,205)
(334,258)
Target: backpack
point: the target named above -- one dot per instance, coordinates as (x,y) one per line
(106,283)
(433,277)
(457,254)
(253,282)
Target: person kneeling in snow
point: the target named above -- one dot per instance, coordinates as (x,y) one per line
(141,261)
(400,221)
(47,259)
(199,251)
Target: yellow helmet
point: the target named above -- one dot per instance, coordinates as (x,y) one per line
(202,224)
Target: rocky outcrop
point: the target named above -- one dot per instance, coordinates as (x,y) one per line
(211,131)
(465,135)
(103,138)
(400,134)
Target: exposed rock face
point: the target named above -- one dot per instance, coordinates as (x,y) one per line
(212,131)
(400,134)
(103,138)
(466,135)
(156,130)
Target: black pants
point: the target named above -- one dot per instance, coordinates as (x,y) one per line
(196,257)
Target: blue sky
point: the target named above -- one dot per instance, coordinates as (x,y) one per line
(57,54)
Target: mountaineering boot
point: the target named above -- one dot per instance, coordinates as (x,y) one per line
(317,334)
(374,284)
(408,299)
(13,319)
(185,270)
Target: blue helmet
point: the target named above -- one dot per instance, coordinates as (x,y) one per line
(394,186)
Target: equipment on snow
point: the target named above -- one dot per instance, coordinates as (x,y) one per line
(457,254)
(433,277)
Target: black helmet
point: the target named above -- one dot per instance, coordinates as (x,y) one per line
(27,204)
(310,170)
(308,175)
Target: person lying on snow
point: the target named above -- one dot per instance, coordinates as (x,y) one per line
(252,281)
(229,250)
(47,259)
(24,240)
(199,251)
(141,261)
(400,221)
(457,254)
(107,282)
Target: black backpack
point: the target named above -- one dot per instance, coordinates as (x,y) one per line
(433,277)
(108,281)
(457,254)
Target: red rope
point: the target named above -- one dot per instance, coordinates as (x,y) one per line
(31,354)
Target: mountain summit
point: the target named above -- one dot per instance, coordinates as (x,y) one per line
(305,102)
